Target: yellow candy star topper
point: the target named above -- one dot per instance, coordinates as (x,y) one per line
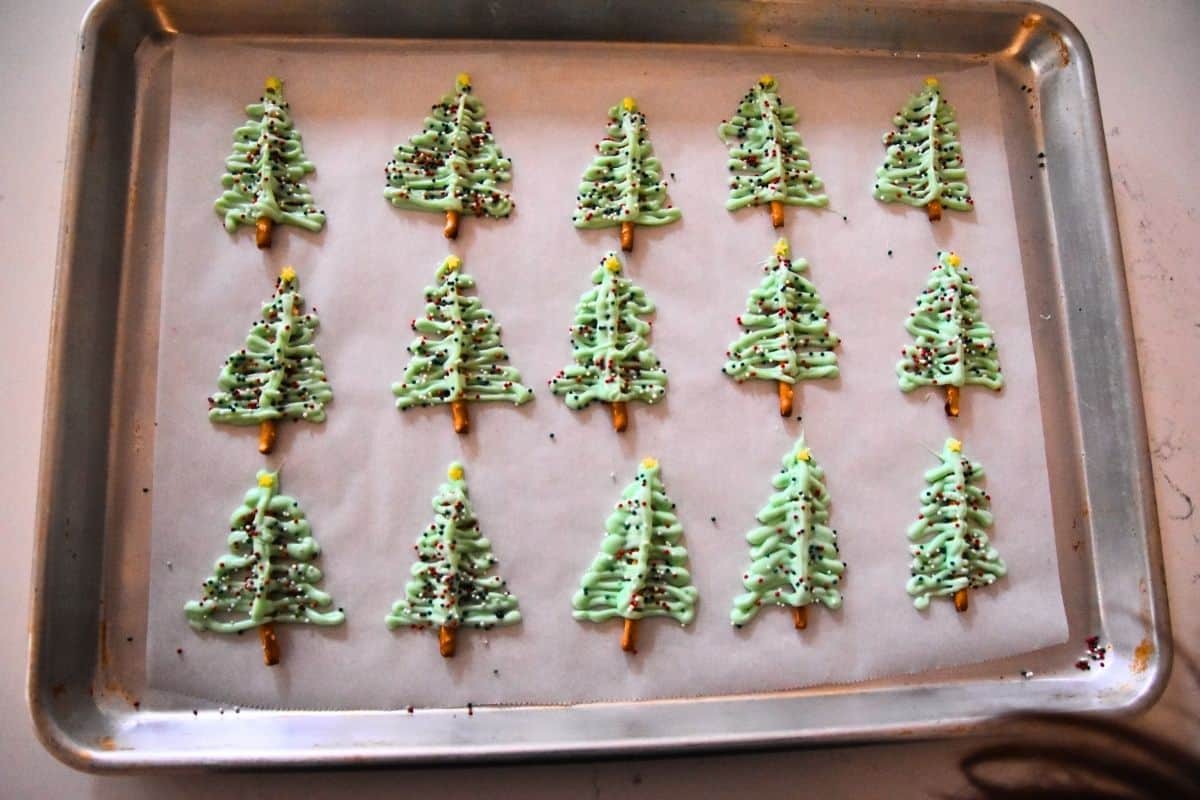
(273,84)
(803,455)
(266,480)
(782,249)
(453,263)
(649,463)
(463,80)
(931,81)
(955,445)
(287,274)
(612,264)
(629,104)
(766,80)
(455,473)
(954,260)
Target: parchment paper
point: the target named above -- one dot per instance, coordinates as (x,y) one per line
(367,475)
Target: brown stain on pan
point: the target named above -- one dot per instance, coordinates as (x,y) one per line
(1141,657)
(1064,53)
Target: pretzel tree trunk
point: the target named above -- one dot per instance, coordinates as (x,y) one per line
(934,209)
(270,644)
(776,214)
(629,636)
(620,416)
(262,232)
(458,413)
(627,236)
(267,432)
(800,617)
(952,401)
(451,229)
(787,395)
(960,600)
(447,640)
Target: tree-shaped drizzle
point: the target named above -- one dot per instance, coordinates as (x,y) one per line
(641,570)
(924,162)
(268,575)
(767,160)
(787,337)
(954,346)
(951,552)
(457,355)
(624,184)
(793,553)
(450,586)
(453,165)
(278,374)
(613,359)
(263,185)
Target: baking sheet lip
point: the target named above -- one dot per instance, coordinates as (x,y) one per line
(71,750)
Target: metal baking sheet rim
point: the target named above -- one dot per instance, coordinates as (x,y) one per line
(88,735)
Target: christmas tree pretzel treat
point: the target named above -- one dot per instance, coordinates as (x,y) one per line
(613,360)
(787,337)
(793,553)
(641,570)
(924,163)
(453,165)
(278,374)
(457,356)
(951,552)
(768,163)
(268,575)
(954,346)
(624,184)
(263,185)
(450,587)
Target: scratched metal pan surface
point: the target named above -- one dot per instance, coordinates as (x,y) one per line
(88,696)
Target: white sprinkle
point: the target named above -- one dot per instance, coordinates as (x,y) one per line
(1045,316)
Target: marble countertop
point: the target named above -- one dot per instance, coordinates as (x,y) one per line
(1146,64)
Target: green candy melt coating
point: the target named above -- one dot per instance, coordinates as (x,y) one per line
(457,354)
(794,553)
(263,175)
(924,158)
(767,160)
(267,575)
(624,182)
(278,374)
(450,585)
(954,346)
(613,359)
(951,551)
(641,570)
(787,336)
(453,164)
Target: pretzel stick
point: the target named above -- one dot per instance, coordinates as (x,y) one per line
(446,641)
(266,436)
(951,401)
(934,210)
(620,417)
(776,214)
(786,394)
(458,413)
(262,232)
(451,229)
(960,600)
(627,236)
(800,617)
(629,636)
(270,644)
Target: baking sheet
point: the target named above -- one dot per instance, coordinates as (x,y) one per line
(366,477)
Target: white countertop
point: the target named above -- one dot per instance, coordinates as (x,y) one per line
(1146,65)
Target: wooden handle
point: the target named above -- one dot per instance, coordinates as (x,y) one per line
(458,413)
(620,416)
(786,395)
(951,401)
(800,617)
(266,436)
(270,644)
(960,600)
(776,214)
(451,229)
(629,636)
(627,236)
(446,641)
(934,210)
(262,232)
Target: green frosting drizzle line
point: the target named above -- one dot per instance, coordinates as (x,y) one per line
(450,585)
(768,161)
(924,158)
(263,175)
(641,570)
(787,336)
(624,183)
(278,374)
(954,346)
(613,359)
(267,575)
(454,163)
(794,553)
(457,354)
(951,551)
